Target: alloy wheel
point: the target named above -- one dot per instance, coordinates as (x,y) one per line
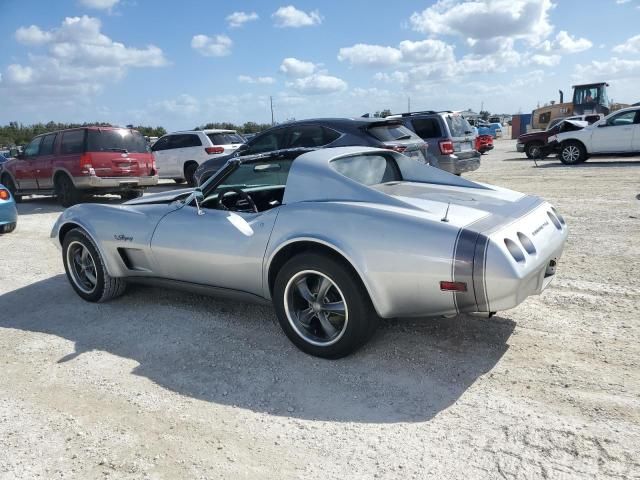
(82,267)
(316,308)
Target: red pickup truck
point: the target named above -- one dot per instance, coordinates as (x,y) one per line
(82,161)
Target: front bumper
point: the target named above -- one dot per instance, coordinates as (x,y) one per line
(114,183)
(8,216)
(520,147)
(456,164)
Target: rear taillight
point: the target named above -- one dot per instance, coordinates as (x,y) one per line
(214,150)
(453,286)
(86,167)
(395,148)
(446,147)
(4,194)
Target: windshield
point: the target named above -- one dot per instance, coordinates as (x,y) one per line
(458,126)
(120,140)
(254,175)
(224,138)
(393,132)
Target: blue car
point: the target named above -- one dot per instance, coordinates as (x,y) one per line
(8,212)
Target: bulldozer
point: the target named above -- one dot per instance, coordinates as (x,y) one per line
(587,98)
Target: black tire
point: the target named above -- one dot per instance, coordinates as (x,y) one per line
(189,173)
(131,194)
(179,180)
(360,320)
(533,150)
(572,153)
(66,191)
(8,182)
(106,287)
(7,228)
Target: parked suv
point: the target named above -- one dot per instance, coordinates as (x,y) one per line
(618,132)
(88,160)
(178,154)
(450,137)
(326,133)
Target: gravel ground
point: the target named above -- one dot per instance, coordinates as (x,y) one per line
(167,385)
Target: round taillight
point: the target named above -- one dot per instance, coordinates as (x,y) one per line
(527,243)
(515,251)
(562,221)
(554,220)
(4,194)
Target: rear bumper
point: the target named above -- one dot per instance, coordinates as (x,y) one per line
(457,165)
(114,183)
(8,212)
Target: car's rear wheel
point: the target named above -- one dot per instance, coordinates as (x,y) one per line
(131,194)
(179,180)
(572,153)
(66,191)
(86,271)
(322,306)
(189,173)
(8,182)
(8,227)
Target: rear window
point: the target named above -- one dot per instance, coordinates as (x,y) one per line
(224,138)
(458,126)
(368,169)
(72,142)
(120,140)
(392,132)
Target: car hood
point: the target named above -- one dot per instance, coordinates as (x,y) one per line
(161,197)
(533,135)
(465,205)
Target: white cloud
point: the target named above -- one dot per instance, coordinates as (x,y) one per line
(622,2)
(370,55)
(99,4)
(565,43)
(216,46)
(546,60)
(317,84)
(614,68)
(292,67)
(290,16)
(426,51)
(32,35)
(183,105)
(516,19)
(632,45)
(238,19)
(256,80)
(19,74)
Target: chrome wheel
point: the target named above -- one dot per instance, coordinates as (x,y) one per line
(316,308)
(571,154)
(82,267)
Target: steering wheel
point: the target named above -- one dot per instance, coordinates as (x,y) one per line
(241,193)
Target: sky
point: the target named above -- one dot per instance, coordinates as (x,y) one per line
(183,64)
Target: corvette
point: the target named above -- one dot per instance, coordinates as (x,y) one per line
(334,238)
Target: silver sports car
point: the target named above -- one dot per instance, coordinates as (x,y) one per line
(335,239)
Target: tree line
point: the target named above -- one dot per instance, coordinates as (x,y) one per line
(19,134)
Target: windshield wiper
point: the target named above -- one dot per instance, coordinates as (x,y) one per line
(403,137)
(122,150)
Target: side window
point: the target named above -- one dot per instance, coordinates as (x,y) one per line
(192,140)
(626,118)
(31,150)
(72,142)
(311,136)
(427,127)
(46,148)
(161,144)
(267,142)
(368,169)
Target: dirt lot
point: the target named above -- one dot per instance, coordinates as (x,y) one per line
(170,385)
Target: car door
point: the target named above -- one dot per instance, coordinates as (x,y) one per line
(43,163)
(161,153)
(25,167)
(636,133)
(615,134)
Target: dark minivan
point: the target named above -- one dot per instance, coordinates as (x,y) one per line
(81,161)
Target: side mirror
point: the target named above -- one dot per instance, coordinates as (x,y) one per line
(196,196)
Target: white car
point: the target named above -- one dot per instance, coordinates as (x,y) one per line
(618,132)
(178,154)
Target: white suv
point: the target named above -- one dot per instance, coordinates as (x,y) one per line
(618,132)
(178,154)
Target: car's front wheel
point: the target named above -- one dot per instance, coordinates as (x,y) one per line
(322,306)
(86,271)
(534,150)
(572,153)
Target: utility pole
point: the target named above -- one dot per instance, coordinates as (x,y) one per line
(271,102)
(482,106)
